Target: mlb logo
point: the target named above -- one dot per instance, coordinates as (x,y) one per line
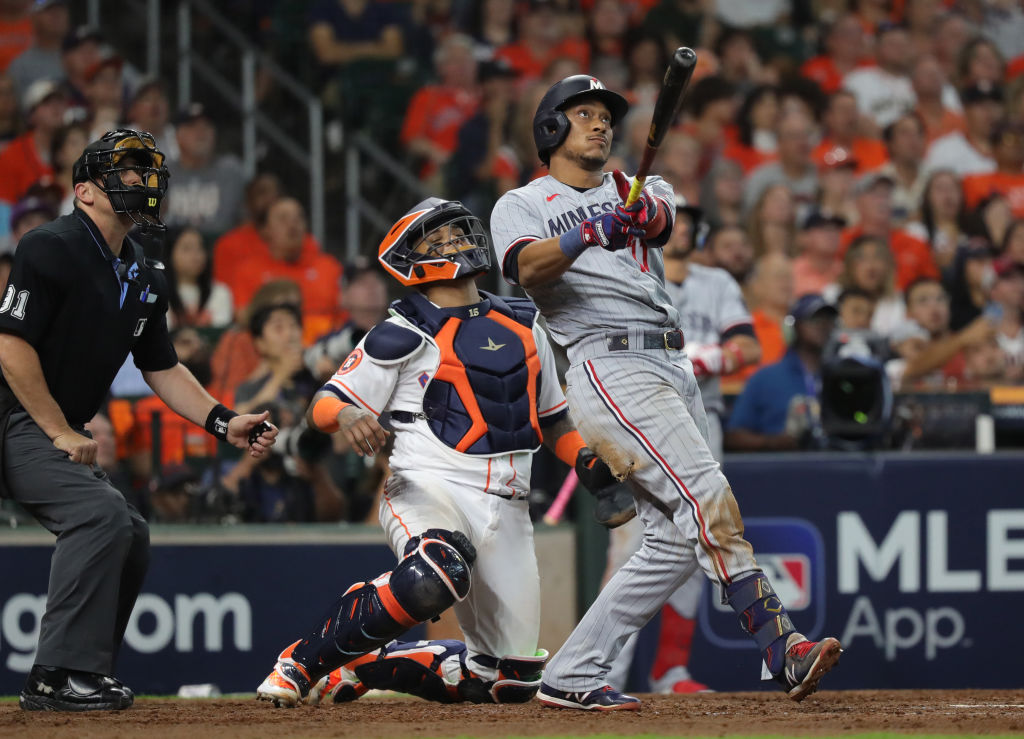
(792,555)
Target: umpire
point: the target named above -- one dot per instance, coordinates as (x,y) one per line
(80,297)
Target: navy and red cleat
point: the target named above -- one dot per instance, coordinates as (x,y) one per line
(602,699)
(806,663)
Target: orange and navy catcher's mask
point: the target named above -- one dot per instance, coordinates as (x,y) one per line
(425,223)
(106,159)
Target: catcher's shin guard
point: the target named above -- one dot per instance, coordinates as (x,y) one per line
(433,575)
(763,616)
(440,671)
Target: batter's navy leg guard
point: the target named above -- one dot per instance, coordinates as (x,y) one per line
(433,575)
(440,671)
(763,616)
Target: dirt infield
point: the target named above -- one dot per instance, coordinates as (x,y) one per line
(963,712)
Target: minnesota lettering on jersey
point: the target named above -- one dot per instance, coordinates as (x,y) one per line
(574,217)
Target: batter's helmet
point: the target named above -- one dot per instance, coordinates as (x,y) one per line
(399,254)
(551,125)
(123,150)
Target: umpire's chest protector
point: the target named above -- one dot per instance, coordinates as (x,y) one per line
(483,397)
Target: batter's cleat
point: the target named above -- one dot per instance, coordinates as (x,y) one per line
(806,663)
(288,685)
(602,699)
(340,686)
(678,680)
(614,506)
(57,689)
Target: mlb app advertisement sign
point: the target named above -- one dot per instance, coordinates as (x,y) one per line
(916,565)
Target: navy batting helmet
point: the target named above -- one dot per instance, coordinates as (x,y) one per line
(551,125)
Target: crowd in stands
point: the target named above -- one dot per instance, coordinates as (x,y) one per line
(859,165)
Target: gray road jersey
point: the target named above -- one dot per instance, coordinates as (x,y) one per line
(603,291)
(710,303)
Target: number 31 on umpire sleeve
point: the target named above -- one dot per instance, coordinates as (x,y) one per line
(19,305)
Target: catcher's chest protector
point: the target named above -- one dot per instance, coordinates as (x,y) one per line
(483,397)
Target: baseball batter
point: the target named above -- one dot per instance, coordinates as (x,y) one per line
(719,339)
(595,271)
(470,384)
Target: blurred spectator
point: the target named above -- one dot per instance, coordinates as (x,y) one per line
(737,58)
(10,115)
(743,14)
(711,104)
(970,152)
(969,282)
(208,189)
(794,168)
(80,50)
(608,22)
(980,63)
(27,158)
(929,85)
(985,364)
(1008,295)
(67,145)
(678,163)
(282,378)
(772,222)
(952,32)
(104,92)
(1008,178)
(754,142)
(172,494)
(855,308)
(102,432)
(234,357)
(150,110)
(436,112)
(680,22)
(482,166)
(41,60)
(728,247)
(317,274)
(28,213)
(721,194)
(778,408)
(6,263)
(940,362)
(195,299)
(942,217)
(844,51)
(874,205)
(905,143)
(15,30)
(647,60)
(365,298)
(842,131)
(922,17)
(883,92)
(1002,21)
(818,262)
(769,292)
(837,176)
(540,41)
(244,241)
(991,218)
(906,341)
(492,25)
(1012,245)
(356,43)
(631,136)
(868,265)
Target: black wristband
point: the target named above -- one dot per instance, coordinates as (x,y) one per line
(217,421)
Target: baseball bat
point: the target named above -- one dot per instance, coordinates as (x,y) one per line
(554,514)
(670,98)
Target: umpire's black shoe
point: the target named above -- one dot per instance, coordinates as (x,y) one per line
(57,689)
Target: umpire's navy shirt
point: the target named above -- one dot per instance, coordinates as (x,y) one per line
(66,299)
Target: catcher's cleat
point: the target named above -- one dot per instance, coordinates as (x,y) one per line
(602,699)
(614,506)
(288,685)
(340,686)
(806,663)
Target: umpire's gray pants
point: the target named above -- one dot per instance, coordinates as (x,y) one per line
(102,550)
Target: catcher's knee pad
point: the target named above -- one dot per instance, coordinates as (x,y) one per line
(434,574)
(518,679)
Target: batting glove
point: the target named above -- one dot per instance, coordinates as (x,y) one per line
(643,211)
(610,231)
(713,359)
(615,504)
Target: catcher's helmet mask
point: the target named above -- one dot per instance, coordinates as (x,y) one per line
(401,258)
(550,123)
(104,163)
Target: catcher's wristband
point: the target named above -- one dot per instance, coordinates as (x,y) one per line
(325,413)
(217,422)
(568,447)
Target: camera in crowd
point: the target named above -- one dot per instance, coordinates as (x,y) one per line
(856,395)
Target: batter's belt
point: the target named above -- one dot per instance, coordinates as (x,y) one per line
(633,339)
